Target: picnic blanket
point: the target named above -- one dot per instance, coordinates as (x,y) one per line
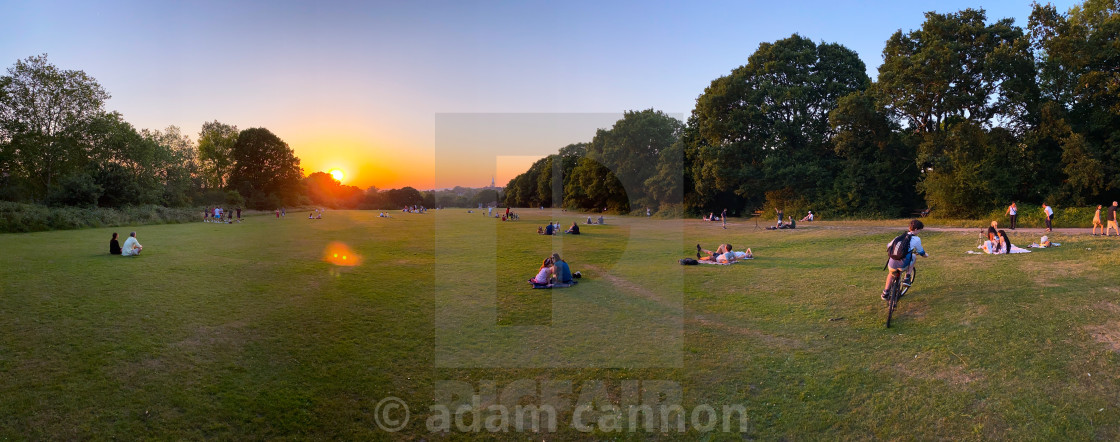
(558,285)
(723,263)
(1014,249)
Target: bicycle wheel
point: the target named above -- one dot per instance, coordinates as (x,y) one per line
(892,297)
(913,277)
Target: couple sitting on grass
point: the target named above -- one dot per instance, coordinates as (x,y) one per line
(131,246)
(722,255)
(554,273)
(997,242)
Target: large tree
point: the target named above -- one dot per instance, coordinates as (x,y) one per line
(215,152)
(265,170)
(959,70)
(765,126)
(955,67)
(1079,60)
(628,155)
(43,113)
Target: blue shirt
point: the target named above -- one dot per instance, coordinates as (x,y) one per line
(563,272)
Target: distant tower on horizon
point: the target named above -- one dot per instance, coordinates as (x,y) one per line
(492,181)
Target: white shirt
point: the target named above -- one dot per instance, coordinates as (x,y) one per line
(1049,211)
(129,247)
(1011,210)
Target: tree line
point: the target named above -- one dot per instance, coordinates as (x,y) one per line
(59,146)
(966,116)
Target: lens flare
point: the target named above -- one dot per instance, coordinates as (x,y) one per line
(340,254)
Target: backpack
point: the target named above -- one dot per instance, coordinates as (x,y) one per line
(899,247)
(688,262)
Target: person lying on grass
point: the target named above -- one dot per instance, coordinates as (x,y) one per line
(131,246)
(723,254)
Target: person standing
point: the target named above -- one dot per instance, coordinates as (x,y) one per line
(238,214)
(1012,211)
(1112,220)
(1097,221)
(1049,216)
(723,217)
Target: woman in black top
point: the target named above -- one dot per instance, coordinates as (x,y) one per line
(114,246)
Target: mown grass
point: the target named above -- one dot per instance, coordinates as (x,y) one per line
(244,331)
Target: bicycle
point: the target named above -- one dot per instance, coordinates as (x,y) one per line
(897,290)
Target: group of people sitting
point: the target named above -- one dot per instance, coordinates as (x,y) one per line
(724,254)
(131,246)
(591,223)
(317,214)
(554,273)
(554,229)
(791,224)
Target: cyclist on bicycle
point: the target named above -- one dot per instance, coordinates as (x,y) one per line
(906,262)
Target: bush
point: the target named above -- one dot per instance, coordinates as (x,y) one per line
(76,190)
(1031,215)
(21,217)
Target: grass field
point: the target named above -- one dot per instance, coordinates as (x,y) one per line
(249,331)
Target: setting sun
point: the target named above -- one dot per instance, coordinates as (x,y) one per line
(337,174)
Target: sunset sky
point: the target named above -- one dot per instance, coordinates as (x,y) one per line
(388,91)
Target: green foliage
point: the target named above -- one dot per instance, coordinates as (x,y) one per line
(877,175)
(265,169)
(765,126)
(950,69)
(1079,73)
(43,113)
(215,152)
(22,217)
(76,190)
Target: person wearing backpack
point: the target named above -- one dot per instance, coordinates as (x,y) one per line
(901,251)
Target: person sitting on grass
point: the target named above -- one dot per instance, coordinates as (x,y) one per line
(114,246)
(545,273)
(1004,242)
(131,246)
(574,229)
(549,228)
(562,271)
(808,217)
(991,246)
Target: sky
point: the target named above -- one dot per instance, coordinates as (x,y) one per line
(384,90)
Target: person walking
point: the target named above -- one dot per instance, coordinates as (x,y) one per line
(1049,216)
(1012,212)
(1097,221)
(1112,220)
